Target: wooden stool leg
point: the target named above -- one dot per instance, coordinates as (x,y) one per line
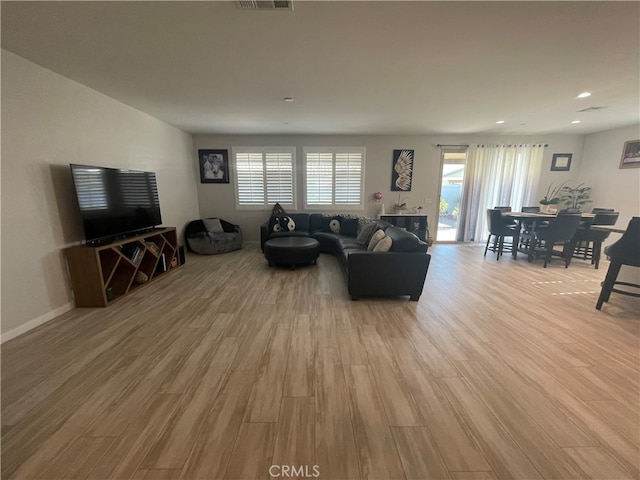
(607,285)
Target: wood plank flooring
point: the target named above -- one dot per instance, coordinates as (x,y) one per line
(502,370)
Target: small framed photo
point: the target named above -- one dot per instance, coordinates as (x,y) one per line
(561,162)
(630,154)
(214,166)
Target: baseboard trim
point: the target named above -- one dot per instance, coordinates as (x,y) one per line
(36,322)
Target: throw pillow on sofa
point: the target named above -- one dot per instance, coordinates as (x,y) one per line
(364,237)
(383,245)
(331,223)
(281,224)
(278,211)
(377,236)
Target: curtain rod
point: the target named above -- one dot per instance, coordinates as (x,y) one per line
(445,145)
(512,145)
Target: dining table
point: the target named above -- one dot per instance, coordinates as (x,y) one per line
(608,228)
(533,220)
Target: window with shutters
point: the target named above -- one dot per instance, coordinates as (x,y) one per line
(334,177)
(264,177)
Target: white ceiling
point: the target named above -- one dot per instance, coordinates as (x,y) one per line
(352,67)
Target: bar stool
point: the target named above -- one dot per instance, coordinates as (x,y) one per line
(625,251)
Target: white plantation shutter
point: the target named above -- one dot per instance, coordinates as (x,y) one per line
(348,183)
(264,176)
(279,167)
(319,178)
(334,177)
(250,175)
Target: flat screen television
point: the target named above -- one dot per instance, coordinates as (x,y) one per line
(115,203)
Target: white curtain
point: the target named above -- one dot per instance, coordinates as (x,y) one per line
(497,175)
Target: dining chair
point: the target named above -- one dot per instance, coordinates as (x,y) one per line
(588,242)
(506,220)
(598,209)
(535,209)
(560,230)
(626,251)
(527,228)
(499,230)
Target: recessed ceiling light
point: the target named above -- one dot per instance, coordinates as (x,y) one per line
(500,122)
(584,95)
(576,121)
(288,99)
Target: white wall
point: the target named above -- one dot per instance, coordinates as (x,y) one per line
(612,186)
(218,199)
(48,122)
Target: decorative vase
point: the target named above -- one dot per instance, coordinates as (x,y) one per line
(381,209)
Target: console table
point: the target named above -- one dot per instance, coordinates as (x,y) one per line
(415,223)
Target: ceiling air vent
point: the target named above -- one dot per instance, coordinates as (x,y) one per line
(591,109)
(265,4)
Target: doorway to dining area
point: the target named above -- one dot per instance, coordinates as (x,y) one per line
(451,183)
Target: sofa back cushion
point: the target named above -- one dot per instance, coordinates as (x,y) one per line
(348,226)
(301,219)
(403,241)
(315,222)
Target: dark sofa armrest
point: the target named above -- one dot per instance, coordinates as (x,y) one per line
(387,273)
(264,234)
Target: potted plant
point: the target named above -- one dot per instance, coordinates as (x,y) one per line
(576,197)
(551,197)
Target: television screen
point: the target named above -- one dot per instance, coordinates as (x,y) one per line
(115,202)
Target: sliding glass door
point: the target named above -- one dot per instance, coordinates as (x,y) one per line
(451,181)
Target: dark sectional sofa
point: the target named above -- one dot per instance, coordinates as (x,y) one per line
(400,271)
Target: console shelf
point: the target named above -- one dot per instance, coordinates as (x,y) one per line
(102,275)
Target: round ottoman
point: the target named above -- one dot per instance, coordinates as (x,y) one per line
(291,250)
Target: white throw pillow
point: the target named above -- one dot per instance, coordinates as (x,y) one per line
(383,245)
(379,235)
(213,225)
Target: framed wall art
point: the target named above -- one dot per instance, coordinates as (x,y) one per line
(630,154)
(402,171)
(561,162)
(214,166)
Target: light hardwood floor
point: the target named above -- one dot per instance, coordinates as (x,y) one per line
(226,367)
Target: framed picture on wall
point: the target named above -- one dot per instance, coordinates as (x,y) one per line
(402,171)
(630,154)
(214,166)
(561,162)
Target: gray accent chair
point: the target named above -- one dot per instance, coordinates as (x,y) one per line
(201,241)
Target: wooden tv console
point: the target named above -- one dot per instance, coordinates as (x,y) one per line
(101,275)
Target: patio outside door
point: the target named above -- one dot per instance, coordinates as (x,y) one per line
(452,177)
